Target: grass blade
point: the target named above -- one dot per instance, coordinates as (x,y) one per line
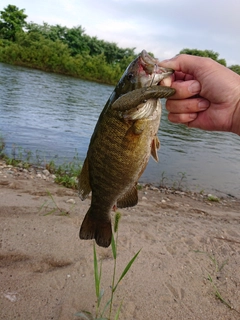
(84,315)
(118,311)
(50,212)
(114,249)
(42,206)
(100,296)
(105,308)
(96,274)
(218,294)
(126,269)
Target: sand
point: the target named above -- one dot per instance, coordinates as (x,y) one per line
(46,271)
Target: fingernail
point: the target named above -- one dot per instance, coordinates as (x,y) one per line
(193,116)
(194,87)
(203,104)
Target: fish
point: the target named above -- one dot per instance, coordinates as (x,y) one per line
(120,147)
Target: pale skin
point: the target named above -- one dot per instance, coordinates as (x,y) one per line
(207,94)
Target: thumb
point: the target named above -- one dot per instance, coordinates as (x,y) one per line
(185,63)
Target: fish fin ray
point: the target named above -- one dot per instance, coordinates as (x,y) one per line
(129,199)
(154,147)
(100,230)
(83,181)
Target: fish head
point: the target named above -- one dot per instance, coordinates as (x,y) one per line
(144,71)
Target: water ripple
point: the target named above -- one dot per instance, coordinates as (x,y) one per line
(57,114)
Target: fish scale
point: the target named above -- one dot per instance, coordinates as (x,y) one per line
(124,138)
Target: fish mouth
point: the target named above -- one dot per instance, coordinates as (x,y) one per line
(150,66)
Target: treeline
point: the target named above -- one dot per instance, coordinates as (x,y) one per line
(213,55)
(67,50)
(60,49)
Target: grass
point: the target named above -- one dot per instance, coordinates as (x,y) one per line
(176,185)
(54,208)
(218,294)
(2,145)
(213,198)
(19,156)
(66,173)
(101,312)
(218,268)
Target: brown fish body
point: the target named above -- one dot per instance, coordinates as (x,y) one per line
(123,140)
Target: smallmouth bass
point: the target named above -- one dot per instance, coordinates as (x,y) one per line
(124,138)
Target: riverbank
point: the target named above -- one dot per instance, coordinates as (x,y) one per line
(190,248)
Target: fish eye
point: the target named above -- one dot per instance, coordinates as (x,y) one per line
(130,76)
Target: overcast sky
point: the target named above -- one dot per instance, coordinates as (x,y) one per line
(163,27)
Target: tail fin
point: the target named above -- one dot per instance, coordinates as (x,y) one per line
(100,230)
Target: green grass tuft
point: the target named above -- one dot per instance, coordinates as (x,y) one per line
(100,315)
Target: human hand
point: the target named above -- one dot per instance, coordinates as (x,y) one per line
(207,94)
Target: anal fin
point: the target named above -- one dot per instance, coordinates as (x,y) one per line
(129,199)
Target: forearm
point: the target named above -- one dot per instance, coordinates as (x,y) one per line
(236,118)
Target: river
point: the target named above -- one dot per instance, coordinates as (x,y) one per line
(53,116)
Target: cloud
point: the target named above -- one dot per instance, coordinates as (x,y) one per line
(163,27)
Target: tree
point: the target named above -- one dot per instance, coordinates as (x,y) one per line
(12,20)
(204,53)
(235,68)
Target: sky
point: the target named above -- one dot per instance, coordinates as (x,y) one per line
(163,27)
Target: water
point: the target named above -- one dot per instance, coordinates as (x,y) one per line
(51,115)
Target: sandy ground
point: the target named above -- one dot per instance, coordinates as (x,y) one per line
(46,271)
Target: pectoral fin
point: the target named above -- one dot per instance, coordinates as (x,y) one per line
(155,146)
(138,127)
(129,199)
(83,181)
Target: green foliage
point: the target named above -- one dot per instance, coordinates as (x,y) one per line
(235,68)
(80,43)
(12,20)
(97,280)
(213,198)
(60,49)
(210,54)
(2,145)
(204,53)
(66,173)
(36,50)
